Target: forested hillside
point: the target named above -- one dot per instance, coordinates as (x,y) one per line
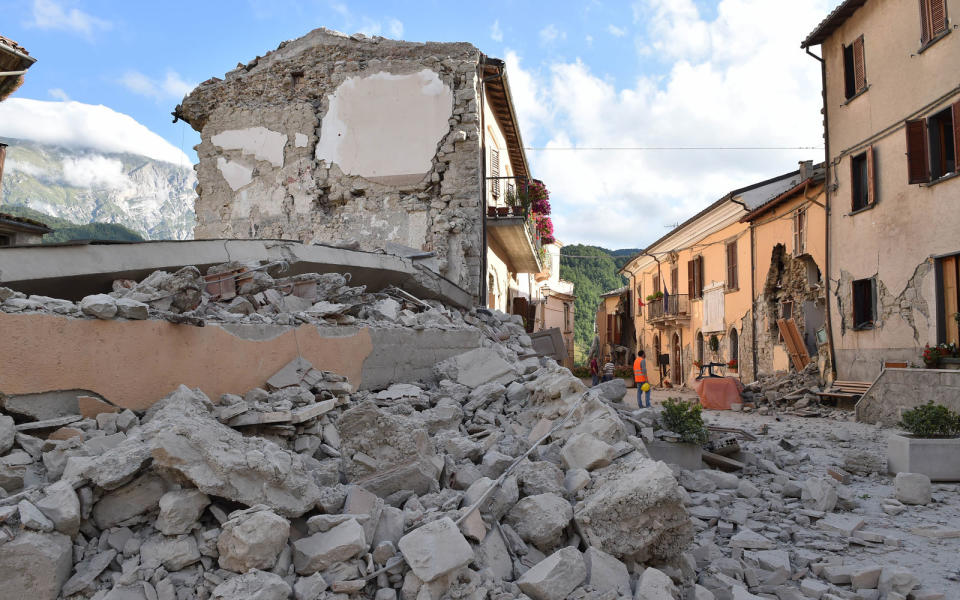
(64,230)
(593,271)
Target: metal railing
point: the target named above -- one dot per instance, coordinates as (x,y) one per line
(670,306)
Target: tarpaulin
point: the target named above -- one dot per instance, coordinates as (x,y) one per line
(718,393)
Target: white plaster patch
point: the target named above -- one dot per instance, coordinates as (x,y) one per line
(261,142)
(300,140)
(236,174)
(386,125)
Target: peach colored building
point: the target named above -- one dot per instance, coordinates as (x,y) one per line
(892,121)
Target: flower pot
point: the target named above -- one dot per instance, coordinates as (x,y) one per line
(934,457)
(950,363)
(687,456)
(491,211)
(503,211)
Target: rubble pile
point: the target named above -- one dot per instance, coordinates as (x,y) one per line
(244,293)
(498,476)
(793,392)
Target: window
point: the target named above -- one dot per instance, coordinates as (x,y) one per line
(734,342)
(695,278)
(511,193)
(566,317)
(6,240)
(495,172)
(854,71)
(933,19)
(609,329)
(861,180)
(732,282)
(933,145)
(700,347)
(800,232)
(656,284)
(864,303)
(675,278)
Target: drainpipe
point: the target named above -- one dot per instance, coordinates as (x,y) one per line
(827,191)
(484,60)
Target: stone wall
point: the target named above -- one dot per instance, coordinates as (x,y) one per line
(902,389)
(333,138)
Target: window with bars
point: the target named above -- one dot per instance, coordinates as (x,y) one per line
(933,145)
(733,282)
(495,172)
(800,232)
(695,278)
(854,69)
(933,19)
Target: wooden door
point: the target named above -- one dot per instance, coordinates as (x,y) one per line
(950,275)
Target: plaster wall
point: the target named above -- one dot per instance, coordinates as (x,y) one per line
(896,390)
(21,238)
(46,353)
(499,274)
(895,239)
(333,138)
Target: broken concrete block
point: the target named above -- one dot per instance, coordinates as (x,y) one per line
(751,540)
(584,451)
(575,480)
(843,524)
(475,368)
(390,527)
(61,505)
(812,588)
(322,550)
(866,578)
(100,306)
(137,497)
(473,526)
(748,490)
(309,588)
(818,494)
(635,510)
(128,308)
(897,580)
(493,554)
(540,477)
(613,390)
(252,539)
(606,573)
(554,577)
(498,502)
(253,585)
(541,519)
(173,553)
(654,585)
(912,488)
(180,510)
(32,518)
(435,549)
(723,481)
(35,565)
(87,572)
(7,434)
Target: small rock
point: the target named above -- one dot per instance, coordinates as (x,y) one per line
(100,306)
(912,488)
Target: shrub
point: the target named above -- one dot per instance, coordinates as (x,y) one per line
(931,420)
(581,371)
(685,419)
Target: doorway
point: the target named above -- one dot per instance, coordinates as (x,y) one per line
(948,296)
(676,363)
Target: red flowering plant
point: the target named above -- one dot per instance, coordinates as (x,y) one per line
(539,197)
(732,363)
(544,225)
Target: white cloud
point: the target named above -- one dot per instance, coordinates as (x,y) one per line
(551,34)
(95,172)
(48,14)
(496,34)
(395,28)
(25,168)
(171,87)
(737,83)
(616,31)
(78,125)
(59,94)
(392,27)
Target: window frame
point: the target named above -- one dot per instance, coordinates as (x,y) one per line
(733,267)
(854,70)
(867,180)
(858,311)
(800,231)
(495,173)
(695,278)
(929,31)
(920,154)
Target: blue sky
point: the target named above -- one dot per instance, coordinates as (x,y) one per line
(643,73)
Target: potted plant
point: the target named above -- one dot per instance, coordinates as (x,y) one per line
(732,365)
(684,420)
(697,364)
(658,294)
(651,298)
(929,446)
(491,211)
(503,211)
(949,356)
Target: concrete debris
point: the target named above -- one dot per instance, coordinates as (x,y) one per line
(305,487)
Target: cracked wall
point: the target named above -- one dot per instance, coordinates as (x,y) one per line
(333,138)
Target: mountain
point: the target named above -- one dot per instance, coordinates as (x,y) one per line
(150,197)
(65,231)
(593,271)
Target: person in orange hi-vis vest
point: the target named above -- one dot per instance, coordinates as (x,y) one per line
(640,376)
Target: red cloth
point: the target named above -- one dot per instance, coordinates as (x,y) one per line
(718,393)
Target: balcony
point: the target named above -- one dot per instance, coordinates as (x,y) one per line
(669,309)
(511,236)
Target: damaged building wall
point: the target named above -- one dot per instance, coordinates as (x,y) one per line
(332,138)
(891,234)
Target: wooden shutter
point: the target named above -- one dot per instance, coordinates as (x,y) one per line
(495,172)
(656,284)
(938,16)
(925,21)
(956,136)
(699,277)
(691,279)
(859,69)
(871,175)
(732,282)
(609,328)
(675,279)
(917,165)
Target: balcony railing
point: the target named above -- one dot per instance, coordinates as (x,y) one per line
(673,306)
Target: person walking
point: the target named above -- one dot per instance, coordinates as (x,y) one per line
(608,368)
(595,370)
(640,377)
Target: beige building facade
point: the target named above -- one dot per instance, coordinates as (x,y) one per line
(711,290)
(892,114)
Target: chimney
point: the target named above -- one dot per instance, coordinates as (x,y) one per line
(806,169)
